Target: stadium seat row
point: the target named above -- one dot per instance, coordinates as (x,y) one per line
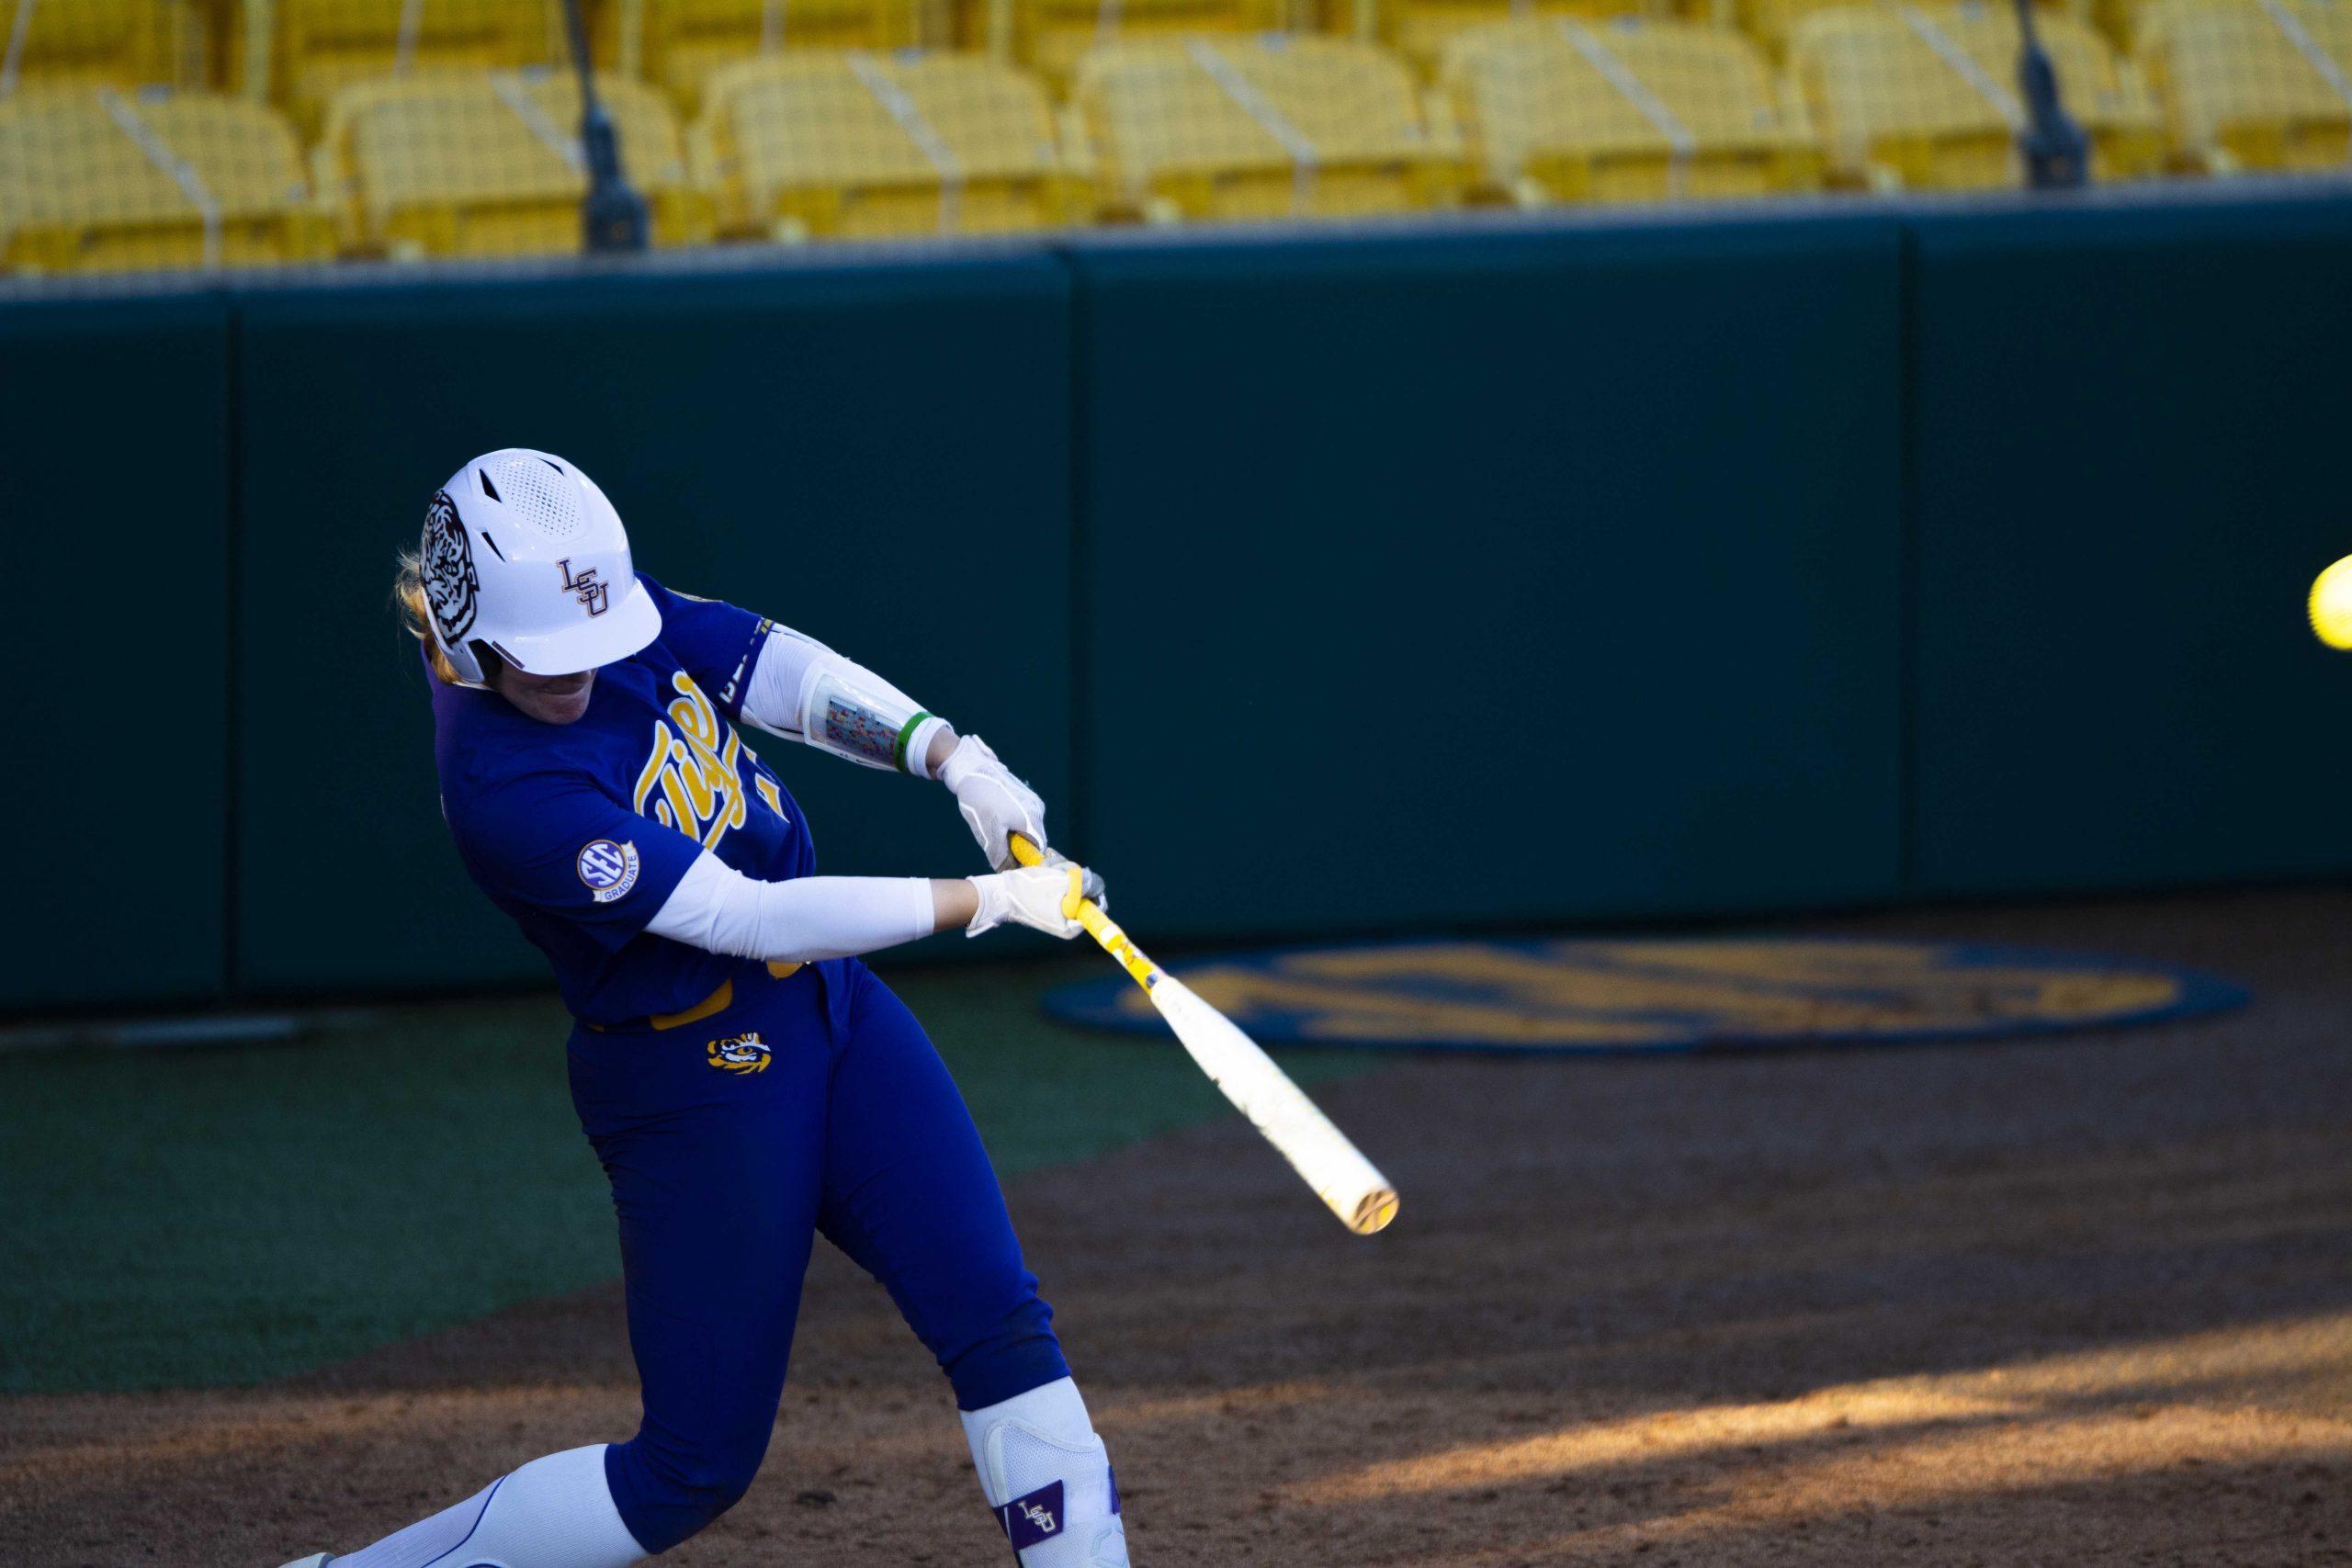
(863,143)
(299,53)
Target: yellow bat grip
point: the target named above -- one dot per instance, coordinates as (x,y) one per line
(1099,926)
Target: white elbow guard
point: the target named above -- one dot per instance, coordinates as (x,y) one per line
(848,710)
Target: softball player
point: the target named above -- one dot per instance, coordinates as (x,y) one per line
(746,1081)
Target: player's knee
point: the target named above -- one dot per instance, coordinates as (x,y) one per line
(710,1481)
(720,1485)
(668,1491)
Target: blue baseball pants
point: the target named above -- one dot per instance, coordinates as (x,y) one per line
(813,1103)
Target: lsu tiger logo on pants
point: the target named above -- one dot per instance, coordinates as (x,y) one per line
(742,1053)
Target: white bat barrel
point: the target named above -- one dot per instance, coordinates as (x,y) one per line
(1348,1183)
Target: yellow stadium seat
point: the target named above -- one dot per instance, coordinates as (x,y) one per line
(97,180)
(1559,109)
(1773,23)
(2254,83)
(676,44)
(1266,126)
(2118,20)
(855,144)
(1419,30)
(316,48)
(487,163)
(1926,97)
(93,43)
(1052,36)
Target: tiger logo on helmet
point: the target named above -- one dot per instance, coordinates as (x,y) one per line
(451,586)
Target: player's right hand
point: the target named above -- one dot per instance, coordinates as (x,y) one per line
(1043,898)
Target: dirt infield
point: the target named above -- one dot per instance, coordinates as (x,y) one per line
(2079,1300)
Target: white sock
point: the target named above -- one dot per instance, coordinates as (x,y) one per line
(1048,1478)
(555,1512)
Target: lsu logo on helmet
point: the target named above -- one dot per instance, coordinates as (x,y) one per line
(742,1053)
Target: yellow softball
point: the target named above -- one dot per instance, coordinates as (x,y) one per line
(2332,606)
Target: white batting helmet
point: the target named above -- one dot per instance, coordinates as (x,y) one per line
(523,556)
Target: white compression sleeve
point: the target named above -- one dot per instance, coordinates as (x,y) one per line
(555,1512)
(720,910)
(771,699)
(862,716)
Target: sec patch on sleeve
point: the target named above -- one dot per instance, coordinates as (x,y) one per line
(607,869)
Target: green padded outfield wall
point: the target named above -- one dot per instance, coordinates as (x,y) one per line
(2131,451)
(1551,574)
(1686,565)
(855,448)
(114,443)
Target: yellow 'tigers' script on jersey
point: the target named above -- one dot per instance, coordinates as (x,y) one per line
(692,779)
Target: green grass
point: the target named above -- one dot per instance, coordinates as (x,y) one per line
(179,1218)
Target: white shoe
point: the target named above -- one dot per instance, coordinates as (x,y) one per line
(316,1560)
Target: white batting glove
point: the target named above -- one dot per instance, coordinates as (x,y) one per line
(994,804)
(1043,898)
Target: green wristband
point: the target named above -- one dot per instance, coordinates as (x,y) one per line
(906,733)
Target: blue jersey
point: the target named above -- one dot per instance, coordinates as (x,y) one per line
(580,831)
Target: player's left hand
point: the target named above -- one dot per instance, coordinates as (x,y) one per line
(995,804)
(1043,897)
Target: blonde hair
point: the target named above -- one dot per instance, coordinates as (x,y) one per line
(408,598)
